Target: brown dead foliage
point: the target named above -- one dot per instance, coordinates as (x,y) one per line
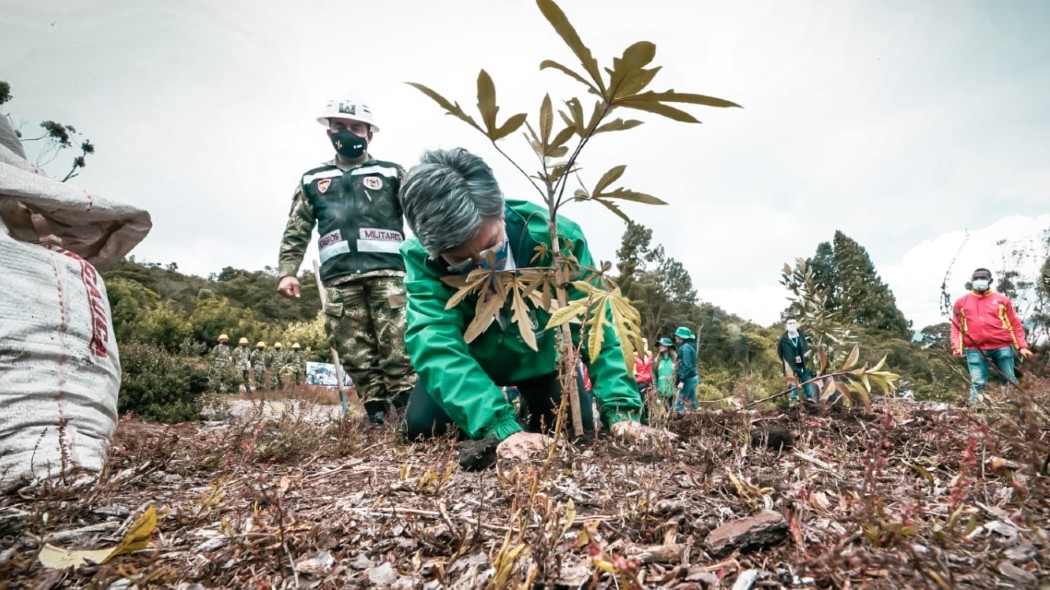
(902,495)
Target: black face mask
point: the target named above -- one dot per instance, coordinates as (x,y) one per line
(349,144)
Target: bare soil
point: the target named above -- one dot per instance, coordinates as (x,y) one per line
(897,495)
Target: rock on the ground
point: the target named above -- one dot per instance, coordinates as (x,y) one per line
(1021,576)
(317,564)
(382,575)
(761,530)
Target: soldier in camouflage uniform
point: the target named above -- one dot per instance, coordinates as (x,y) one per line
(220,364)
(296,367)
(277,361)
(257,359)
(241,363)
(353,201)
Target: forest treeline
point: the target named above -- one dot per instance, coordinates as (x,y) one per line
(166,321)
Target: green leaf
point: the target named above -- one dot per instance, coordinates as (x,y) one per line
(557,172)
(659,109)
(549,63)
(628,67)
(510,126)
(546,120)
(520,316)
(614,208)
(488,306)
(685,97)
(629,195)
(608,178)
(565,30)
(563,136)
(875,370)
(617,125)
(829,388)
(854,355)
(573,310)
(487,101)
(576,111)
(451,108)
(474,281)
(596,323)
(637,83)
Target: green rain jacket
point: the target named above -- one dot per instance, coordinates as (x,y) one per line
(464,378)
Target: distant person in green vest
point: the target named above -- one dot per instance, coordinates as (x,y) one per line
(664,373)
(221,360)
(241,363)
(258,361)
(792,349)
(352,200)
(686,377)
(454,206)
(295,365)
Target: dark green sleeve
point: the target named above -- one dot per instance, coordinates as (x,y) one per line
(296,235)
(439,354)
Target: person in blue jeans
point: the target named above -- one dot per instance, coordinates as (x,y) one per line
(686,377)
(985,328)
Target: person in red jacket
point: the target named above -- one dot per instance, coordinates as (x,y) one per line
(985,328)
(643,369)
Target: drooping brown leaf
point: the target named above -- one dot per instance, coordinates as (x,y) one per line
(451,108)
(554,15)
(617,125)
(611,176)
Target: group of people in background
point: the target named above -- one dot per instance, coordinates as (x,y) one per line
(256,369)
(670,378)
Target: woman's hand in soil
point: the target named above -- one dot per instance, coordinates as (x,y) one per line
(522,445)
(641,433)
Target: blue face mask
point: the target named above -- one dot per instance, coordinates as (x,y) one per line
(981,285)
(499,256)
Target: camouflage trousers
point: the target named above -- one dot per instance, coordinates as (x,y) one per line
(365,322)
(260,376)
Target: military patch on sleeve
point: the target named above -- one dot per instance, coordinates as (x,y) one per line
(373,182)
(323,184)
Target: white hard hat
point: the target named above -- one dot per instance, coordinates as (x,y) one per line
(349,109)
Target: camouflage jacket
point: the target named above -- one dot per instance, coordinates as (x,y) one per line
(358,218)
(220,355)
(257,358)
(277,359)
(295,360)
(240,358)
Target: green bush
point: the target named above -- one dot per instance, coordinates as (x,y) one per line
(160,386)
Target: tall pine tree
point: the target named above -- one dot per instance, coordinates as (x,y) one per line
(659,285)
(854,290)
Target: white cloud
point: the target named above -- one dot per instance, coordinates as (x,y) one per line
(916,278)
(891,122)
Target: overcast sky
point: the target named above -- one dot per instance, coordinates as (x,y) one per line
(906,125)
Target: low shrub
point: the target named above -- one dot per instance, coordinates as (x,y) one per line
(160,386)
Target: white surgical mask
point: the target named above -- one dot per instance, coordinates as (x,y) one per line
(792,328)
(980,285)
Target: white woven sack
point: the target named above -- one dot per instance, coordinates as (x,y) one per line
(59,365)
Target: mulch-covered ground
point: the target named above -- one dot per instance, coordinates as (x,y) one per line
(901,495)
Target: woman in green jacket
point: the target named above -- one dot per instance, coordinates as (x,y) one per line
(663,372)
(456,210)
